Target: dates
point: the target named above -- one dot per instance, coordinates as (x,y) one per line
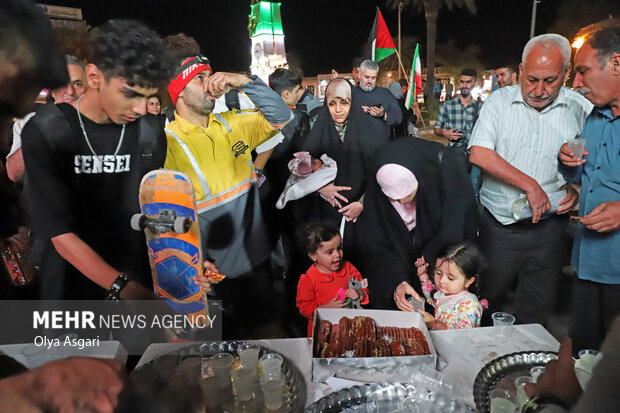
(361,337)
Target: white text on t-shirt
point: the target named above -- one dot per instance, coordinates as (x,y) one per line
(89,164)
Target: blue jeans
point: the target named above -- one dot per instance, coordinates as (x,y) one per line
(474,175)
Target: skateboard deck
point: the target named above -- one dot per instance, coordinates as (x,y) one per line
(170,223)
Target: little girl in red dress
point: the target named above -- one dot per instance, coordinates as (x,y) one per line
(323,284)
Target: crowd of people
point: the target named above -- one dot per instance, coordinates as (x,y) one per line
(305,205)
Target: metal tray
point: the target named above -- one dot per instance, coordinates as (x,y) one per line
(386,397)
(503,366)
(155,377)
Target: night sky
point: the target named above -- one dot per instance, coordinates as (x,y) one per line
(328,34)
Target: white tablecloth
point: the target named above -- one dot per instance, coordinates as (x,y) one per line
(462,353)
(39,356)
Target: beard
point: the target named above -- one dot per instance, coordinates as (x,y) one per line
(465,92)
(202,106)
(367,88)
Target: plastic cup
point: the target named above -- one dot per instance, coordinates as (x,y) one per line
(504,322)
(248,354)
(220,365)
(577,146)
(271,365)
(272,393)
(243,383)
(583,377)
(520,383)
(213,394)
(536,371)
(587,359)
(502,401)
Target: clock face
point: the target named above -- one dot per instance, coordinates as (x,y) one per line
(258,51)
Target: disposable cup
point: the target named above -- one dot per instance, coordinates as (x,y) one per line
(220,365)
(271,365)
(520,383)
(577,145)
(536,371)
(583,377)
(243,383)
(587,359)
(503,323)
(272,393)
(502,401)
(213,394)
(248,355)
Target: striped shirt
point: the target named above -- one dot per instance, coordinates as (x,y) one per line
(528,140)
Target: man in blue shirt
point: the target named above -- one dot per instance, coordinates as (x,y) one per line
(596,251)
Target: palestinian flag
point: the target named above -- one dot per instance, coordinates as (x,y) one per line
(415,80)
(380,44)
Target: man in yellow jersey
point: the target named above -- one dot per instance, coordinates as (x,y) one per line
(215,151)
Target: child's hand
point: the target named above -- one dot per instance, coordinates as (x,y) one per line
(334,303)
(426,316)
(212,276)
(203,282)
(400,298)
(212,273)
(420,262)
(352,294)
(422,269)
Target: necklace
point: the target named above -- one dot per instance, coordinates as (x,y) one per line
(120,142)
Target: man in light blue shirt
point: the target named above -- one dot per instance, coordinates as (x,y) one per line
(596,251)
(515,142)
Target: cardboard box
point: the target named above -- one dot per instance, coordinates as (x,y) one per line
(371,369)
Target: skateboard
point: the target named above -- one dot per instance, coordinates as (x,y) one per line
(170,223)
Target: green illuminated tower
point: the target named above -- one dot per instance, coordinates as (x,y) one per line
(265,27)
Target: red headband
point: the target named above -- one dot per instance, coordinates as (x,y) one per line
(189,69)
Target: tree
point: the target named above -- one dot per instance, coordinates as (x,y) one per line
(453,59)
(431,11)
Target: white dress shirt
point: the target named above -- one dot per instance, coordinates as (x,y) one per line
(528,140)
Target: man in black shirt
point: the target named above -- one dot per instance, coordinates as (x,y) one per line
(82,182)
(376,101)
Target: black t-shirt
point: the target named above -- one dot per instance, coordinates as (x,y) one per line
(71,190)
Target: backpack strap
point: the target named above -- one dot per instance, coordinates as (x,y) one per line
(152,142)
(54,127)
(232,100)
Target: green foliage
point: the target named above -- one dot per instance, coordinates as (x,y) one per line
(432,109)
(453,59)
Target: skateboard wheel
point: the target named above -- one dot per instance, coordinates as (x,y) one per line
(137,222)
(182,225)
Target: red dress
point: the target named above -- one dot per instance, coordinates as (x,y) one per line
(316,288)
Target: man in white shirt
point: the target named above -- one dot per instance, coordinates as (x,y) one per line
(515,142)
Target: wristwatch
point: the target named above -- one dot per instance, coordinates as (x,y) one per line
(114,293)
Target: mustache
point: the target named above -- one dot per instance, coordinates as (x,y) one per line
(545,96)
(584,90)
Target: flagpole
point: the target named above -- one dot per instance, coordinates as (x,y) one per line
(401,65)
(400,6)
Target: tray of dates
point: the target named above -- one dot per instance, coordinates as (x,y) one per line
(369,345)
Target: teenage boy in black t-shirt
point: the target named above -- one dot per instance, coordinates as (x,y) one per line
(82,186)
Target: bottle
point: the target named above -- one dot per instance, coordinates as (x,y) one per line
(521,207)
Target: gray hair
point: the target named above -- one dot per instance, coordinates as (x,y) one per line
(72,60)
(606,42)
(548,41)
(370,65)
